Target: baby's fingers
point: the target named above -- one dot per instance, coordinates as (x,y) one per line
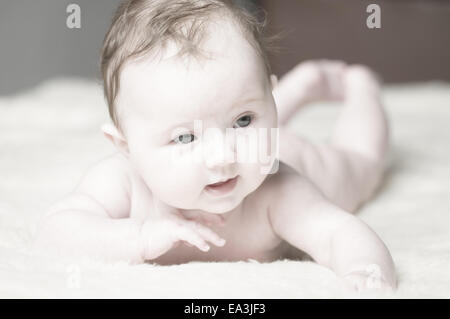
(207,233)
(190,236)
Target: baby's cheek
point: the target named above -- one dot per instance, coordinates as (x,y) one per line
(251,176)
(178,185)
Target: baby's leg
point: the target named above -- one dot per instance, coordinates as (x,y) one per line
(348,169)
(362,124)
(308,82)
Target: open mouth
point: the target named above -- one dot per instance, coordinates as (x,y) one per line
(222,188)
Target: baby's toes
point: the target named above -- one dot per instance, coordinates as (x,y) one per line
(310,77)
(333,78)
(333,68)
(328,78)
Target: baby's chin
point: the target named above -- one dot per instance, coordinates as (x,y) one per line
(221,207)
(209,204)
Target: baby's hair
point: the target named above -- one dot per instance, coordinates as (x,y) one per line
(140,27)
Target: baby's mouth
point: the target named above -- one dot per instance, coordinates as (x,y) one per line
(222,188)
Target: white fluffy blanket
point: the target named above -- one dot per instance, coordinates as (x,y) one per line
(51,134)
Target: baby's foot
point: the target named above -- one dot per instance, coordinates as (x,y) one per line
(308,82)
(322,79)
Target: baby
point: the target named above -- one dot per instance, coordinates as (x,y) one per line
(191,98)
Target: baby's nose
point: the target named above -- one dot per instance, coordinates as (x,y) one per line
(219,149)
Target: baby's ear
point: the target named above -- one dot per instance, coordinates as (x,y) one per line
(117,138)
(273,81)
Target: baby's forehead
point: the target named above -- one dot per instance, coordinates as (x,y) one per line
(195,91)
(174,86)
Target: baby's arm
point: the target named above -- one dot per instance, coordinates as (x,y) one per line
(331,236)
(90,221)
(106,218)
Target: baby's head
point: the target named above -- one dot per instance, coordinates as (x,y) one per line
(189,92)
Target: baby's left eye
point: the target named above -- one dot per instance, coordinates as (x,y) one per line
(184,139)
(243,121)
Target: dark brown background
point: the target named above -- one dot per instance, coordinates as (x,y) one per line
(413,43)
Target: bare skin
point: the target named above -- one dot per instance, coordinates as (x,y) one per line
(139,206)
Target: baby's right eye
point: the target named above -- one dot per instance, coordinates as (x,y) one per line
(184,138)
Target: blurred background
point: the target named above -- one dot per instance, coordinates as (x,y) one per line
(52,108)
(413,43)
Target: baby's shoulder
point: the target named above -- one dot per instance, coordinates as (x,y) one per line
(284,176)
(108,182)
(277,184)
(113,167)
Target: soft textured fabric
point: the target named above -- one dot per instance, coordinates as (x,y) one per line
(50,135)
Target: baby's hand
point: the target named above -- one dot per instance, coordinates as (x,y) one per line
(169,228)
(368,279)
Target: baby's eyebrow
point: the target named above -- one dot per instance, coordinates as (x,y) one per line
(249,100)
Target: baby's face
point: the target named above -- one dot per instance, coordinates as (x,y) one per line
(182,123)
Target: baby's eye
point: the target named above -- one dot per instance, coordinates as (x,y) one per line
(184,138)
(243,121)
